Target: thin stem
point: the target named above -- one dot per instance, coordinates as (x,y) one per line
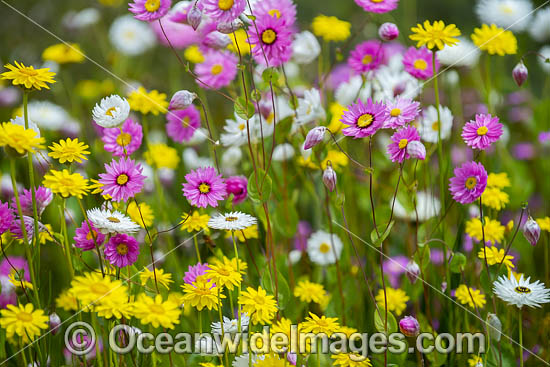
(520,338)
(239,287)
(31,176)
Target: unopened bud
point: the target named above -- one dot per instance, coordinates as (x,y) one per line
(194,17)
(314,137)
(416,150)
(494,326)
(531,231)
(520,73)
(181,100)
(388,31)
(217,40)
(229,27)
(55,322)
(409,326)
(412,271)
(329,178)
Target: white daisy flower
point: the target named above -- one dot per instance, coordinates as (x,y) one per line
(81,19)
(283,152)
(322,249)
(388,85)
(521,293)
(235,131)
(107,221)
(510,14)
(243,360)
(233,221)
(539,29)
(429,125)
(231,157)
(111,111)
(48,115)
(310,107)
(348,92)
(231,326)
(544,51)
(463,54)
(427,206)
(305,47)
(193,160)
(131,36)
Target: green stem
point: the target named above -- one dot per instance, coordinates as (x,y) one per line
(439,142)
(239,287)
(520,338)
(488,81)
(66,238)
(197,249)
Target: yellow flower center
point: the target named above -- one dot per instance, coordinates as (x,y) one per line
(113,220)
(395,112)
(204,188)
(506,9)
(376,1)
(324,248)
(110,111)
(471,182)
(123,139)
(152,5)
(91,235)
(269,36)
(242,126)
(185,121)
(122,249)
(482,130)
(367,59)
(435,126)
(24,316)
(225,4)
(122,179)
(223,271)
(231,219)
(403,143)
(156,309)
(522,290)
(275,13)
(365,120)
(99,288)
(216,69)
(259,300)
(28,71)
(420,64)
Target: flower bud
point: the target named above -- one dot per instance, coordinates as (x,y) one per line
(416,150)
(443,286)
(314,137)
(531,231)
(194,17)
(409,326)
(181,100)
(494,326)
(520,73)
(412,271)
(291,358)
(229,27)
(55,322)
(388,31)
(217,40)
(329,178)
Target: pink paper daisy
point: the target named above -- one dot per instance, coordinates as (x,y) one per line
(182,123)
(43,197)
(377,6)
(284,9)
(482,132)
(6,217)
(217,71)
(127,139)
(400,139)
(364,119)
(17,262)
(237,185)
(273,40)
(400,112)
(123,179)
(84,237)
(222,11)
(468,183)
(149,10)
(418,62)
(204,187)
(194,271)
(366,56)
(122,250)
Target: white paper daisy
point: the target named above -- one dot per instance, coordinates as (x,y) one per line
(320,248)
(521,293)
(231,326)
(510,14)
(234,221)
(429,124)
(107,221)
(111,111)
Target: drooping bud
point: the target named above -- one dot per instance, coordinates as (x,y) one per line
(229,27)
(409,326)
(494,326)
(329,178)
(443,286)
(55,322)
(217,40)
(194,17)
(520,73)
(388,31)
(181,100)
(531,231)
(416,150)
(412,271)
(291,358)
(314,137)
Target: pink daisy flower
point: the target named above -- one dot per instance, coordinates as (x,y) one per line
(122,250)
(482,132)
(6,217)
(400,112)
(468,183)
(182,123)
(222,11)
(123,179)
(400,140)
(284,9)
(273,40)
(84,237)
(366,56)
(364,119)
(204,187)
(128,139)
(377,6)
(217,71)
(43,197)
(194,271)
(17,262)
(237,185)
(149,10)
(419,63)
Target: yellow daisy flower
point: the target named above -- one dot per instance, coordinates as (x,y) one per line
(62,53)
(247,233)
(162,278)
(117,308)
(494,198)
(202,293)
(493,230)
(18,138)
(91,288)
(148,102)
(464,295)
(495,40)
(193,54)
(496,256)
(325,325)
(350,360)
(336,111)
(28,76)
(544,223)
(397,300)
(259,306)
(161,155)
(18,281)
(65,183)
(435,35)
(69,150)
(194,222)
(67,301)
(475,361)
(270,360)
(157,312)
(145,218)
(336,158)
(23,321)
(224,273)
(308,291)
(498,180)
(331,28)
(239,38)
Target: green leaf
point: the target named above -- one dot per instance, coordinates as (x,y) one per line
(269,74)
(377,241)
(286,219)
(458,262)
(262,193)
(380,321)
(282,287)
(422,256)
(244,110)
